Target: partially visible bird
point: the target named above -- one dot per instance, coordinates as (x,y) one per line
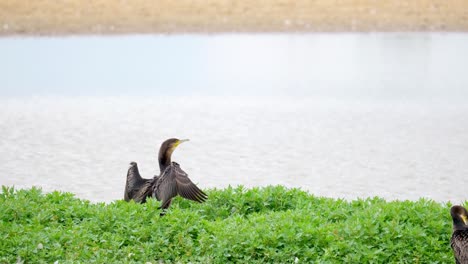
(459,240)
(173,180)
(136,187)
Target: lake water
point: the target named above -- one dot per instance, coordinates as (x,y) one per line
(339,115)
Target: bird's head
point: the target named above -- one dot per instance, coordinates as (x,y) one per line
(459,216)
(165,152)
(170,145)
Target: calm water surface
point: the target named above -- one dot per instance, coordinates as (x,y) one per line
(337,115)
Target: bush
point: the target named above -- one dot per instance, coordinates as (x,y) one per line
(270,224)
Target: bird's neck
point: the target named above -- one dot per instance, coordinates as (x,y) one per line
(164,159)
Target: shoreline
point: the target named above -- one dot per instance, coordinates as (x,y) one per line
(47,191)
(73,17)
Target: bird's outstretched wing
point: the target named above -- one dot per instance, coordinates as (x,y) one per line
(186,188)
(175,181)
(136,188)
(132,182)
(144,192)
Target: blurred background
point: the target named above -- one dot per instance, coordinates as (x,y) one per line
(340,98)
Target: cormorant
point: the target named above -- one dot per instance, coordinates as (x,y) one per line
(136,187)
(459,240)
(173,180)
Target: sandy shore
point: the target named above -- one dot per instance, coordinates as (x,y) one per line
(211,16)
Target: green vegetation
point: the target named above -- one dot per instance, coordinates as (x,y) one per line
(271,224)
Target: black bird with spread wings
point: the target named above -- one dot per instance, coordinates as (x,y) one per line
(459,240)
(173,180)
